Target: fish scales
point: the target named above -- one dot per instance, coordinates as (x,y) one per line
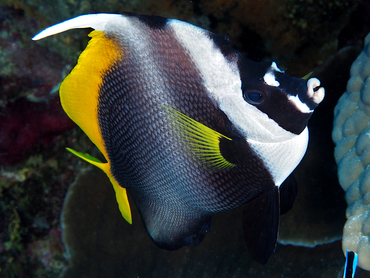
(140,166)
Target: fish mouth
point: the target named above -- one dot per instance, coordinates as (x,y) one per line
(315,92)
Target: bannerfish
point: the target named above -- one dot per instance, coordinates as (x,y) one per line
(188,126)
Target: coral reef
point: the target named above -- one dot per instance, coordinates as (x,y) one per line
(24,125)
(32,194)
(298,34)
(32,191)
(352,154)
(49,251)
(22,74)
(30,112)
(270,28)
(101,243)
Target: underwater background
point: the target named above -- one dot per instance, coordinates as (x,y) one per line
(59,217)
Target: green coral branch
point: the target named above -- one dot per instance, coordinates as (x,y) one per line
(14,229)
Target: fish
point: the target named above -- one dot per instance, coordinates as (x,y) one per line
(189,127)
(350,265)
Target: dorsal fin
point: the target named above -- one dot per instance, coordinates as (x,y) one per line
(95,21)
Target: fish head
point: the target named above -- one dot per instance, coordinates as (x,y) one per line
(271,106)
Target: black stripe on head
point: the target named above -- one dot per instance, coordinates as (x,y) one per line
(273,101)
(283,112)
(295,86)
(152,21)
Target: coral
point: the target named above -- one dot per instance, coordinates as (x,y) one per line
(36,187)
(30,112)
(24,124)
(298,34)
(50,251)
(22,74)
(352,154)
(32,190)
(14,232)
(100,243)
(310,14)
(32,194)
(320,203)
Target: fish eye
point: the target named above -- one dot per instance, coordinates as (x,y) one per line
(254,96)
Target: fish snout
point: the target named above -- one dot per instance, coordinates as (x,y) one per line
(314,92)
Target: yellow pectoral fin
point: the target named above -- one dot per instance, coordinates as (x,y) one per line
(200,140)
(121,194)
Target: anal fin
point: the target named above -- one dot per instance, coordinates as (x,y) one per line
(121,195)
(261,225)
(172,224)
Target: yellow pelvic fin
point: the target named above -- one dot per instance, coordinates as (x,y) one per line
(79,96)
(121,194)
(199,139)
